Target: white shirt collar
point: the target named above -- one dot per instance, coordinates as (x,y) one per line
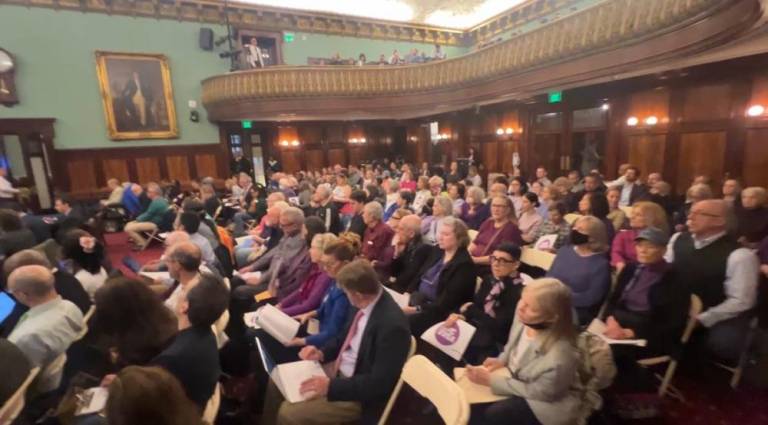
(700,243)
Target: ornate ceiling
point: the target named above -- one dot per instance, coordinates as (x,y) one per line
(455,14)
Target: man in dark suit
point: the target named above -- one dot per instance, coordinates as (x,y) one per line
(322,206)
(410,253)
(356,223)
(193,357)
(366,359)
(632,190)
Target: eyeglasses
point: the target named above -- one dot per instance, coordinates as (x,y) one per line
(494,259)
(705,214)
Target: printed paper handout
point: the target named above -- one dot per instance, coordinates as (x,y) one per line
(597,327)
(476,393)
(281,326)
(452,340)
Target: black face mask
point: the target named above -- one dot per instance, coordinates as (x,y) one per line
(538,326)
(578,238)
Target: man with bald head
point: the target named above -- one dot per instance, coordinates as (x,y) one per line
(724,275)
(51,324)
(183,261)
(410,253)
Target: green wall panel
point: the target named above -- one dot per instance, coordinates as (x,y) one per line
(56,70)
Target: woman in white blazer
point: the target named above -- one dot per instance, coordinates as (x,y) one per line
(542,357)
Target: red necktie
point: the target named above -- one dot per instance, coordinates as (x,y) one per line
(351,334)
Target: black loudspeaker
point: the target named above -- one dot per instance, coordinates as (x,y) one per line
(206,38)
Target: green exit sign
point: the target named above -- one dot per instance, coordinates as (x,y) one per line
(247,124)
(555,96)
(288,37)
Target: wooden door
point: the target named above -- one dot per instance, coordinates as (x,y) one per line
(546,152)
(700,154)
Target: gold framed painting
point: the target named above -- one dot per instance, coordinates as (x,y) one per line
(137,94)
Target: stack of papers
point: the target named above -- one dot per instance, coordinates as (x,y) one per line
(279,325)
(476,393)
(92,400)
(400,299)
(597,327)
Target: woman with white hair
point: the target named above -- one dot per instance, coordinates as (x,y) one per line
(542,357)
(430,226)
(752,217)
(583,266)
(475,211)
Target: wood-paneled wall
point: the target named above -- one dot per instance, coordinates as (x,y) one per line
(87,170)
(701,128)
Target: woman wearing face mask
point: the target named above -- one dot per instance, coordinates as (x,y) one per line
(493,307)
(542,356)
(583,266)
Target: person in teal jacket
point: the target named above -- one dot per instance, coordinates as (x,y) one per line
(150,219)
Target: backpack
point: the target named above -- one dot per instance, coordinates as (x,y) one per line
(595,372)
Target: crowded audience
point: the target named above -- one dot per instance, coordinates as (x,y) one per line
(364,259)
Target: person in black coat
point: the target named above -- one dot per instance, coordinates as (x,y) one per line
(492,310)
(364,370)
(410,254)
(357,199)
(14,236)
(447,281)
(649,302)
(193,356)
(323,206)
(14,368)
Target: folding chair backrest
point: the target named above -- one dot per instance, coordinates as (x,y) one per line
(412,350)
(537,258)
(472,234)
(627,210)
(15,404)
(571,218)
(50,376)
(212,408)
(693,312)
(434,385)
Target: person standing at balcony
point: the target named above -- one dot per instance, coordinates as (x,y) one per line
(253,54)
(395,59)
(438,53)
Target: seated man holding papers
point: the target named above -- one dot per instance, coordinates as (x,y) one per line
(365,361)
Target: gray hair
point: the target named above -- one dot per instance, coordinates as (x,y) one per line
(476,193)
(598,235)
(460,230)
(324,190)
(394,185)
(26,257)
(294,214)
(756,191)
(436,181)
(446,204)
(375,210)
(700,191)
(154,187)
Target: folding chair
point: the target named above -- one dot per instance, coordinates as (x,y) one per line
(627,210)
(212,408)
(666,381)
(472,234)
(738,370)
(50,376)
(412,350)
(431,383)
(614,282)
(571,218)
(86,319)
(537,258)
(15,404)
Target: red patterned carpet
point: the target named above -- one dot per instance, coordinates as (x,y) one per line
(709,399)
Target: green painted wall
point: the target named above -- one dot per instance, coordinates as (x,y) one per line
(56,70)
(323,45)
(56,67)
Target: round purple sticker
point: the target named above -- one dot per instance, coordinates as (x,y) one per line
(447,335)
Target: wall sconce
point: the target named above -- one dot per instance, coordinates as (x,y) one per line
(652,120)
(632,121)
(500,131)
(755,110)
(413,139)
(355,141)
(288,143)
(509,130)
(605,106)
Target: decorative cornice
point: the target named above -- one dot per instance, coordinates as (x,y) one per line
(249,16)
(604,33)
